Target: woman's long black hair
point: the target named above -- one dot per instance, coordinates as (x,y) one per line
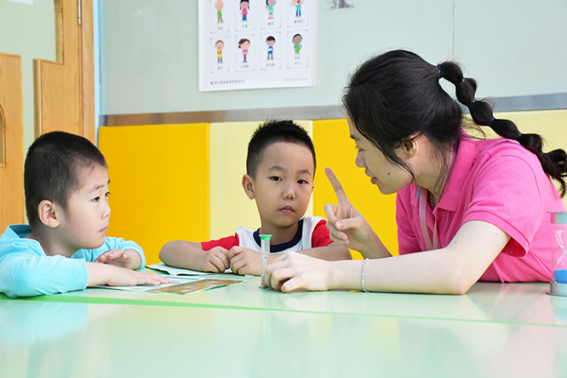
(396,96)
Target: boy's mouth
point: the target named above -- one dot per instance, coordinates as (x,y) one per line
(287,209)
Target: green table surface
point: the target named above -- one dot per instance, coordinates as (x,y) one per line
(521,303)
(496,330)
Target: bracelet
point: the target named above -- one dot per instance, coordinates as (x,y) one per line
(362,275)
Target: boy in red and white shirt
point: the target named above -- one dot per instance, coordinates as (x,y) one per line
(280,169)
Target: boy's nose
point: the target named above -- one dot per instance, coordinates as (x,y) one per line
(289,193)
(107,211)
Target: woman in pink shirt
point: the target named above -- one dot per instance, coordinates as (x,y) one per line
(480,208)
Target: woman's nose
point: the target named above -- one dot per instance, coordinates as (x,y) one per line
(359,161)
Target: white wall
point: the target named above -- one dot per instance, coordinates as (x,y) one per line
(149,61)
(28,30)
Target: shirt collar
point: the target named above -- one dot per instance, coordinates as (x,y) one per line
(283,246)
(461,168)
(20,230)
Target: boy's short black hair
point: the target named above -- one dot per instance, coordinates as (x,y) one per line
(271,132)
(52,166)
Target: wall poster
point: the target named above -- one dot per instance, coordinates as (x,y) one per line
(246,44)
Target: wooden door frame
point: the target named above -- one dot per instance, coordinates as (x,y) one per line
(81,12)
(12,149)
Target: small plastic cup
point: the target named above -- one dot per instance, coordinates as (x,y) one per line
(265,244)
(559,253)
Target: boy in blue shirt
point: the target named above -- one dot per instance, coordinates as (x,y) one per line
(280,168)
(64,248)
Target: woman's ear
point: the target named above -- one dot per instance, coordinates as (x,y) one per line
(410,146)
(47,213)
(248,185)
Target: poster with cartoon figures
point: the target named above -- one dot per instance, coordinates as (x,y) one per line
(245,44)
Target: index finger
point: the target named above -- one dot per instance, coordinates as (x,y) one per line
(236,250)
(339,191)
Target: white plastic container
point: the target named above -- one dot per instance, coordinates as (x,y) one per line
(265,244)
(559,253)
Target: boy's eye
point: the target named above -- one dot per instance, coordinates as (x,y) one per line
(275,178)
(107,194)
(96,199)
(302,182)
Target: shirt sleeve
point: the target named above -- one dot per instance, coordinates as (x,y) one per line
(25,272)
(91,255)
(321,235)
(506,194)
(227,243)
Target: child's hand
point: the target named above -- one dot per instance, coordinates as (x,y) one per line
(127,277)
(129,259)
(214,260)
(100,274)
(245,261)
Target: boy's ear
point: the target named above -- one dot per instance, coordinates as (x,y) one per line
(248,185)
(47,214)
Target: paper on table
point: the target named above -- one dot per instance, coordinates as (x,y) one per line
(178,285)
(172,282)
(178,271)
(196,286)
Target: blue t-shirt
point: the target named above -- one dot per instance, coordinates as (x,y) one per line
(25,269)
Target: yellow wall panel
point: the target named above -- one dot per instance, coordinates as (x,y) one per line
(159,183)
(162,190)
(230,207)
(550,124)
(336,150)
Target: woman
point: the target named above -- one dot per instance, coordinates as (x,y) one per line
(479,208)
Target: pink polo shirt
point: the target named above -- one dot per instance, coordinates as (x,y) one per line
(500,182)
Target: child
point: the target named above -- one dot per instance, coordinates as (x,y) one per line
(296,40)
(280,168)
(244,44)
(64,247)
(219,45)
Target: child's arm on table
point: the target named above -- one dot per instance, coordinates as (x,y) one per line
(26,273)
(190,255)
